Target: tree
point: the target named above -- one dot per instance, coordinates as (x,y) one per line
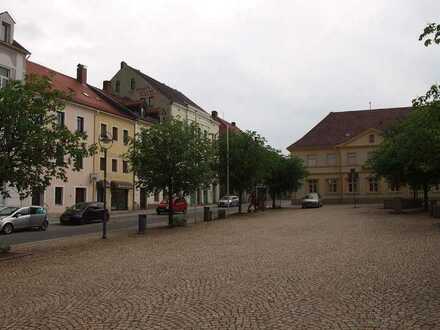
(172,157)
(284,174)
(34,148)
(410,152)
(246,161)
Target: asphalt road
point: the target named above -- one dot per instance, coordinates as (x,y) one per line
(56,230)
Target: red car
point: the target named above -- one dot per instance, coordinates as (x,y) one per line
(179,206)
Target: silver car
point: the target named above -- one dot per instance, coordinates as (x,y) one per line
(311,200)
(228,201)
(12,218)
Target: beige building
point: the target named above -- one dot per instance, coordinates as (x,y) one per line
(340,143)
(156,99)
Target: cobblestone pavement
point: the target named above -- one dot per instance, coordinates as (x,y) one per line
(335,267)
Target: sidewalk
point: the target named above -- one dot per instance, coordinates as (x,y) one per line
(55,217)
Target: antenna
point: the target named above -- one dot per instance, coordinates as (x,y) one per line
(370,104)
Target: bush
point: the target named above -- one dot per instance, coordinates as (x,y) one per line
(4,248)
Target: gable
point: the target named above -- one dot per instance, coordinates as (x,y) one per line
(363,139)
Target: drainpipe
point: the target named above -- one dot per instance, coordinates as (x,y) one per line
(94,157)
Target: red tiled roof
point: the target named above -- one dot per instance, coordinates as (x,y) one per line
(81,93)
(339,127)
(225,124)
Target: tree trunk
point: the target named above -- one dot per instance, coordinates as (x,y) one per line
(170,208)
(273,200)
(425,197)
(239,201)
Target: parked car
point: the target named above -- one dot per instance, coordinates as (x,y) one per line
(311,200)
(82,213)
(179,206)
(228,201)
(13,218)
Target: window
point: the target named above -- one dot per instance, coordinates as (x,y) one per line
(115,133)
(132,84)
(102,164)
(80,124)
(351,158)
(118,86)
(374,185)
(103,130)
(58,195)
(59,156)
(371,138)
(352,185)
(80,195)
(79,163)
(332,185)
(331,159)
(394,187)
(156,196)
(4,76)
(60,118)
(6,32)
(311,160)
(125,136)
(124,166)
(114,165)
(313,186)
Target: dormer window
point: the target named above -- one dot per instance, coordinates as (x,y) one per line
(6,37)
(371,138)
(132,84)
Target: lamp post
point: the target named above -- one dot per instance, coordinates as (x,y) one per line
(105,142)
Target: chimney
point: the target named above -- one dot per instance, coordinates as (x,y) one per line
(123,64)
(107,86)
(233,123)
(214,114)
(81,73)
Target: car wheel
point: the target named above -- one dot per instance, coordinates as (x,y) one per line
(8,229)
(44,226)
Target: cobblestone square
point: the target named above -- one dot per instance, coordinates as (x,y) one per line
(332,268)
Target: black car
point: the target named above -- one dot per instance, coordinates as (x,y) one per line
(82,213)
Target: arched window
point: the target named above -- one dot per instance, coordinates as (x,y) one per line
(118,86)
(133,83)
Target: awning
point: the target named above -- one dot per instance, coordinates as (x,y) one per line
(121,185)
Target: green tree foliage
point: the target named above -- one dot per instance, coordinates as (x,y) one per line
(34,149)
(283,174)
(430,34)
(172,157)
(247,156)
(410,152)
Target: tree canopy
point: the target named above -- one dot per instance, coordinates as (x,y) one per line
(173,157)
(34,147)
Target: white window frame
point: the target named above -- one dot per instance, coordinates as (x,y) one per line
(5,79)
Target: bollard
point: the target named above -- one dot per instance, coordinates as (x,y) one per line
(221,214)
(206,214)
(142,223)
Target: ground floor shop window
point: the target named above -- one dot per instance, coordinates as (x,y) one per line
(119,200)
(352,186)
(37,198)
(58,195)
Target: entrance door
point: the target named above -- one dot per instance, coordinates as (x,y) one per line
(143,199)
(37,198)
(80,195)
(119,199)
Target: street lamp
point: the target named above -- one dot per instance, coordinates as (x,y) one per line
(105,143)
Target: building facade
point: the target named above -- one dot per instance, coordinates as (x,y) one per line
(161,101)
(343,142)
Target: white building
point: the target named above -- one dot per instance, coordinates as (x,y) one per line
(12,67)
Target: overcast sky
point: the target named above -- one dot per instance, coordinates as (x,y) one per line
(277,67)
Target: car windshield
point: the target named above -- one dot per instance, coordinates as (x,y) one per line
(7,210)
(310,196)
(227,197)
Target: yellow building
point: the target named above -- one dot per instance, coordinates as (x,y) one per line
(340,143)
